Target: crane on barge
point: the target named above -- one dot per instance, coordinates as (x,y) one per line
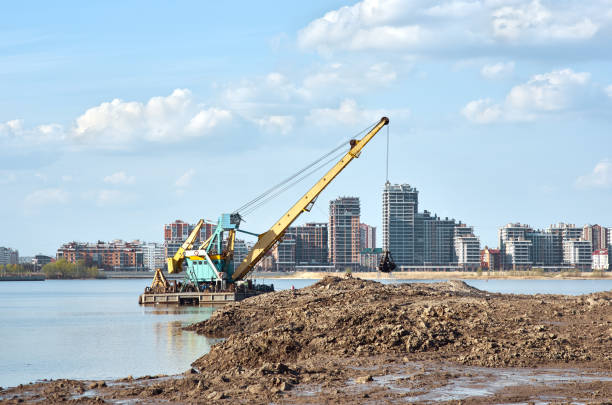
(211,264)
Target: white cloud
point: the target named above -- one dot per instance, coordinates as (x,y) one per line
(536,22)
(46,196)
(485,25)
(497,70)
(15,132)
(66,178)
(170,118)
(349,113)
(119,178)
(548,92)
(609,91)
(206,120)
(482,111)
(555,91)
(276,123)
(185,180)
(600,177)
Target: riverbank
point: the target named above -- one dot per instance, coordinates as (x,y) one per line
(23,277)
(442,275)
(352,341)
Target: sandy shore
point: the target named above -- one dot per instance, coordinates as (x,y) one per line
(438,275)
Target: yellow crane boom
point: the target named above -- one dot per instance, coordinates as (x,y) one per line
(269,238)
(175,263)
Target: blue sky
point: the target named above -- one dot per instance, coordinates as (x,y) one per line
(118,117)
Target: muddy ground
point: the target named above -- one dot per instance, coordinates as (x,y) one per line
(350,340)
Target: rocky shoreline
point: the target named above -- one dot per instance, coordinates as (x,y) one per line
(350,340)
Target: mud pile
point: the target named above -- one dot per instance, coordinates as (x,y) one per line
(442,321)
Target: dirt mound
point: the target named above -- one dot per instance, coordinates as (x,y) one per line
(349,341)
(449,321)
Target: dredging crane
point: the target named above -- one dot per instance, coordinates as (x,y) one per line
(210,265)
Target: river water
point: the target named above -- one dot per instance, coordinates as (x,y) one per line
(95,329)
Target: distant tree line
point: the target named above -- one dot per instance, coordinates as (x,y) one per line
(13,269)
(65,269)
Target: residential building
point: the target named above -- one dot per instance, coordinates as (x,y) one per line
(241,249)
(154,256)
(545,248)
(577,253)
(566,231)
(600,260)
(400,208)
(344,215)
(8,256)
(467,247)
(434,240)
(177,232)
(284,251)
(514,246)
(367,236)
(517,254)
(312,244)
(115,255)
(597,234)
(302,247)
(490,259)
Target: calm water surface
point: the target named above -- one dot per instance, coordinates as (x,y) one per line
(95,329)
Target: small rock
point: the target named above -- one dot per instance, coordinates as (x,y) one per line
(215,396)
(364,379)
(255,389)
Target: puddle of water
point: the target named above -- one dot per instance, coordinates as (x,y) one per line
(476,382)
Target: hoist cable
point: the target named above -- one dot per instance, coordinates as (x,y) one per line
(296,181)
(387,173)
(265,195)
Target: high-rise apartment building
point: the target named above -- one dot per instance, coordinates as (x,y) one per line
(421,239)
(597,234)
(434,240)
(367,237)
(400,208)
(284,251)
(303,245)
(514,246)
(153,255)
(344,215)
(577,253)
(544,248)
(467,247)
(312,244)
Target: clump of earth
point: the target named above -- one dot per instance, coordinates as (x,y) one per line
(349,340)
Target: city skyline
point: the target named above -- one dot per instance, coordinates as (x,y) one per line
(304,220)
(114,120)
